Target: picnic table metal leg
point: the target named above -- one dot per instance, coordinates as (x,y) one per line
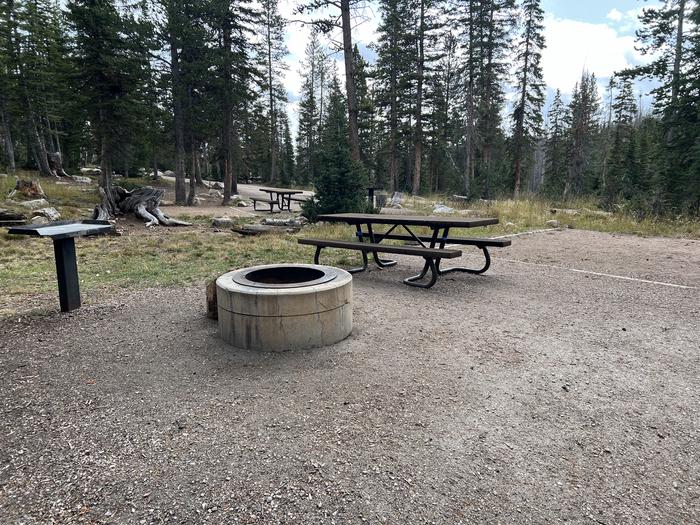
(362,268)
(429,265)
(382,263)
(486,266)
(67,274)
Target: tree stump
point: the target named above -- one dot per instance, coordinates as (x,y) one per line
(29,188)
(142,202)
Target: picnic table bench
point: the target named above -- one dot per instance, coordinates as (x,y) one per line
(432,248)
(63,234)
(280,197)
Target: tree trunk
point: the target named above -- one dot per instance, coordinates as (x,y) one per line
(350,81)
(418,153)
(154,161)
(108,206)
(178,120)
(675,83)
(271,95)
(229,183)
(193,181)
(38,147)
(6,131)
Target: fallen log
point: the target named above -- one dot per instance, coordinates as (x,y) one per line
(142,202)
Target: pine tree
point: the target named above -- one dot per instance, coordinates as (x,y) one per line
(274,51)
(340,180)
(309,121)
(583,113)
(556,148)
(393,73)
(527,114)
(110,55)
(287,165)
(485,40)
(366,112)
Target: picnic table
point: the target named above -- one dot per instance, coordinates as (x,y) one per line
(280,197)
(432,248)
(63,234)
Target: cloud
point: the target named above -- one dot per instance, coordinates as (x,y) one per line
(573,46)
(614,15)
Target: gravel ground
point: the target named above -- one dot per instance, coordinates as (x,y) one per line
(531,394)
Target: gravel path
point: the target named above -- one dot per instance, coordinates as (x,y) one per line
(531,394)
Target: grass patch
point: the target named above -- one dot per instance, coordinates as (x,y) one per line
(532,214)
(157,258)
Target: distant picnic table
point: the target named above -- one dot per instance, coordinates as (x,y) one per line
(432,248)
(280,197)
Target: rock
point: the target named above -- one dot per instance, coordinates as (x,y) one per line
(552,224)
(168,173)
(295,222)
(3,175)
(82,180)
(258,229)
(396,200)
(441,208)
(35,204)
(242,204)
(397,211)
(215,193)
(217,185)
(39,220)
(222,222)
(50,213)
(90,171)
(196,201)
(510,225)
(568,211)
(598,213)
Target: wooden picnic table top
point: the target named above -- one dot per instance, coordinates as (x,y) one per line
(409,220)
(281,190)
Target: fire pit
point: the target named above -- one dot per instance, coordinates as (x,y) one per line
(284,306)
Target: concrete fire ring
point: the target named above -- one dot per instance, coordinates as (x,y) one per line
(281,307)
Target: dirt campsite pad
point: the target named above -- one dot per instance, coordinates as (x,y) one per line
(563,385)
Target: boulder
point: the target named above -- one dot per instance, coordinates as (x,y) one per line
(242,204)
(441,208)
(35,204)
(39,220)
(3,175)
(82,180)
(95,172)
(215,193)
(510,225)
(50,213)
(217,185)
(552,224)
(222,222)
(296,222)
(168,173)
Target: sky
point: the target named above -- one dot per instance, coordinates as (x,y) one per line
(596,35)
